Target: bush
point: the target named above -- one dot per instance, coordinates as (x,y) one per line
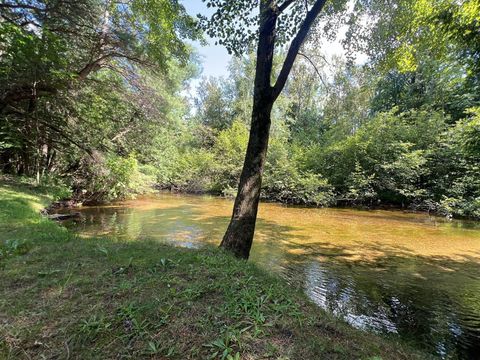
(229,150)
(462,199)
(461,191)
(386,159)
(55,186)
(108,177)
(284,182)
(193,171)
(360,186)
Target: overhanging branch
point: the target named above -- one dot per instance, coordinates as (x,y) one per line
(21,6)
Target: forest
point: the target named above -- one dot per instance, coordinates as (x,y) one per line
(95,99)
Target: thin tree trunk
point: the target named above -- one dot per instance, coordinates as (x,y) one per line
(239,236)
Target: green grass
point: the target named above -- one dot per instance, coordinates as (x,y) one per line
(67,297)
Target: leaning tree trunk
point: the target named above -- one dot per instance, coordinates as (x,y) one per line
(239,236)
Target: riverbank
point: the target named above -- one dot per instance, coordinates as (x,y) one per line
(64,296)
(420,208)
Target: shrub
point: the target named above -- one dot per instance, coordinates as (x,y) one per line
(108,177)
(360,186)
(193,171)
(285,183)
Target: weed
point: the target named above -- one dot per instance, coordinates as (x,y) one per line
(13,247)
(93,326)
(102,250)
(48,273)
(224,347)
(154,347)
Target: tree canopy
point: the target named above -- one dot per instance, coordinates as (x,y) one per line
(75,73)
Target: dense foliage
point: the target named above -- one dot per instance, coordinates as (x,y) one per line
(340,151)
(82,83)
(402,128)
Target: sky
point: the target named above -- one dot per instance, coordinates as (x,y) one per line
(214,58)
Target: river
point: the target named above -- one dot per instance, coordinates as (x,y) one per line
(411,275)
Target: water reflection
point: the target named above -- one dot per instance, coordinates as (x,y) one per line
(412,275)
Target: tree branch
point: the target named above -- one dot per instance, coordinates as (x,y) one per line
(312,63)
(295,46)
(26,92)
(96,64)
(285,5)
(67,137)
(56,129)
(21,6)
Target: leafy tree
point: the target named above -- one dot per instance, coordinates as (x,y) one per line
(214,104)
(55,54)
(59,41)
(234,24)
(429,47)
(460,195)
(229,148)
(360,186)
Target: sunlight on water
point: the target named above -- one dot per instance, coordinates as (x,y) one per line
(392,272)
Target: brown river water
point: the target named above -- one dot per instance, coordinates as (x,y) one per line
(390,272)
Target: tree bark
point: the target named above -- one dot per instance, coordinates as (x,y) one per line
(238,238)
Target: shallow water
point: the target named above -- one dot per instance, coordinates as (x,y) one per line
(413,275)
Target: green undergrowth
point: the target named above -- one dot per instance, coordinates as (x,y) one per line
(66,297)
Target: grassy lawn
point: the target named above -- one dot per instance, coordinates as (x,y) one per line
(65,297)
